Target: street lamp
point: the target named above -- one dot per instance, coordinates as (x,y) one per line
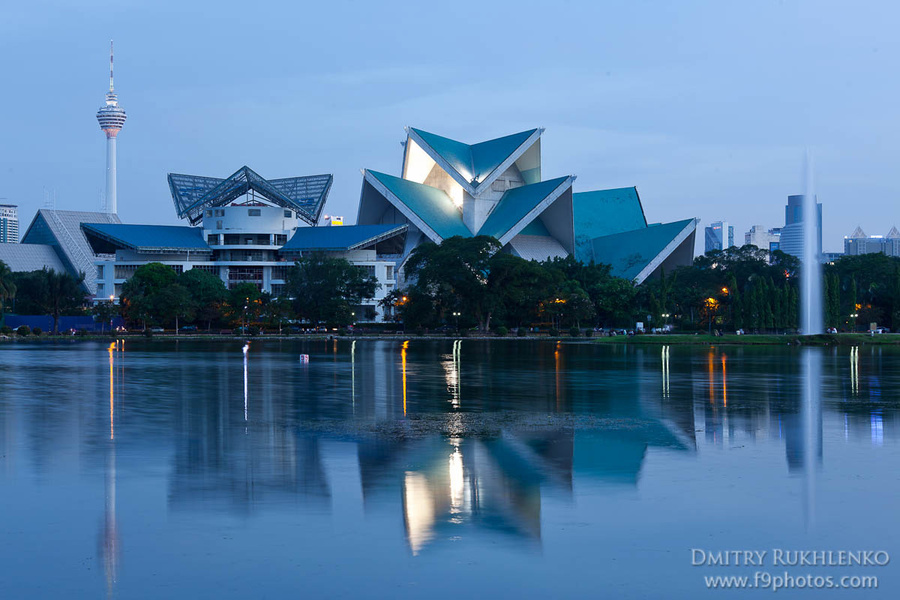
(456,314)
(710,306)
(853,324)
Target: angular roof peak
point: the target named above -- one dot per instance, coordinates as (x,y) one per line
(858,233)
(474,162)
(193,193)
(893,234)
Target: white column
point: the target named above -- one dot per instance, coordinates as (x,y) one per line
(111,205)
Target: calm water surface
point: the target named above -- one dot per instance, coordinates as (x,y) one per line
(437,469)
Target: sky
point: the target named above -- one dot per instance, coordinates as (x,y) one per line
(707,107)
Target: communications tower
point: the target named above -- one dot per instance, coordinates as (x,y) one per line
(111,118)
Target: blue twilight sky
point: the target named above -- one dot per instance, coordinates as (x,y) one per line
(706,107)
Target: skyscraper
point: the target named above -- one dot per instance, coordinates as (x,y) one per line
(792,232)
(719,235)
(9,224)
(111,118)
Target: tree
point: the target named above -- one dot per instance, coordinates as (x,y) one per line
(275,310)
(7,285)
(142,296)
(243,302)
(175,302)
(104,312)
(325,289)
(207,292)
(454,276)
(55,293)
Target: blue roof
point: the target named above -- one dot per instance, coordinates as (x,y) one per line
(628,253)
(604,212)
(336,238)
(515,204)
(477,160)
(431,205)
(146,238)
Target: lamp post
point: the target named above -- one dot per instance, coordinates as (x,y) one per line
(665,317)
(710,306)
(244,317)
(853,316)
(456,315)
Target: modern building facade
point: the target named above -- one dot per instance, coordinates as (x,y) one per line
(719,236)
(9,224)
(762,238)
(243,229)
(111,117)
(859,243)
(496,188)
(791,241)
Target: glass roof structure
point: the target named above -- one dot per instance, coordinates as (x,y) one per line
(192,194)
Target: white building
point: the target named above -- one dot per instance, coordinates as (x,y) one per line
(246,231)
(762,238)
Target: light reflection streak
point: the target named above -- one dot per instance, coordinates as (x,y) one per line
(452,370)
(418,510)
(724,384)
(403,361)
(665,371)
(712,379)
(556,359)
(353,375)
(854,370)
(811,413)
(457,481)
(112,428)
(246,397)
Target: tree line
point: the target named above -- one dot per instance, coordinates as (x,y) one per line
(468,283)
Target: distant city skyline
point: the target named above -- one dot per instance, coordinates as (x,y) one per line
(706,116)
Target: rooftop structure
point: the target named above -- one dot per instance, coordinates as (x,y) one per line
(448,188)
(30,257)
(61,230)
(9,224)
(859,243)
(762,238)
(193,194)
(111,117)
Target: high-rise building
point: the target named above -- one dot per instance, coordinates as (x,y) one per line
(792,233)
(719,235)
(859,243)
(762,238)
(111,118)
(9,224)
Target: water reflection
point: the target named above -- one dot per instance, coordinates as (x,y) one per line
(538,423)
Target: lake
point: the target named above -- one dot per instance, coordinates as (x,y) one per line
(442,469)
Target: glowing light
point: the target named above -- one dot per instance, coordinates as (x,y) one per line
(418,510)
(724,384)
(457,480)
(403,360)
(665,371)
(854,370)
(246,397)
(112,428)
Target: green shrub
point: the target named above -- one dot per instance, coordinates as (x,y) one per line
(23,330)
(6,330)
(521,331)
(37,331)
(553,332)
(574,331)
(254,330)
(588,332)
(501,331)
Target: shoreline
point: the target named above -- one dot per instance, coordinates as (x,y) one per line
(673,339)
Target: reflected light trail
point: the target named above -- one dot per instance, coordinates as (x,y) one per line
(418,510)
(457,480)
(724,384)
(246,400)
(353,374)
(712,378)
(854,370)
(112,429)
(556,360)
(403,361)
(665,371)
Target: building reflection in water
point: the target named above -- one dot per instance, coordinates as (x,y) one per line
(109,532)
(233,455)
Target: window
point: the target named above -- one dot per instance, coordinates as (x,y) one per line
(288,214)
(280,239)
(212,239)
(368,270)
(220,212)
(101,289)
(99,271)
(254,212)
(218,224)
(389,272)
(208,213)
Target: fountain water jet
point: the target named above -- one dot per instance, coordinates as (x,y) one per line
(812,320)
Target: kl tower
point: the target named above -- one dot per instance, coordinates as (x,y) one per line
(111,118)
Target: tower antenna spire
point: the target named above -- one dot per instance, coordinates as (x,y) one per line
(110,65)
